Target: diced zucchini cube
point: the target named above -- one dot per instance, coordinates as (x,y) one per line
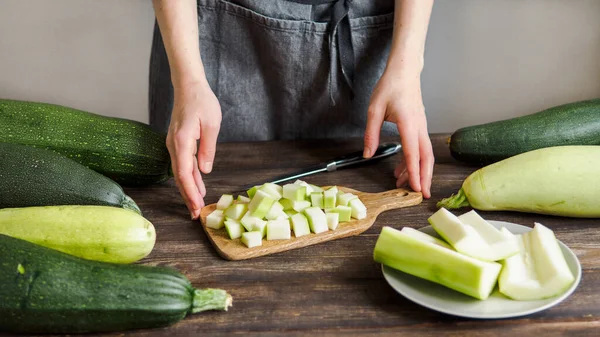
(271,189)
(329,198)
(316,219)
(286,203)
(294,192)
(299,206)
(260,226)
(290,212)
(334,189)
(224,201)
(275,211)
(316,199)
(234,229)
(345,212)
(300,225)
(309,188)
(248,221)
(252,191)
(215,219)
(236,211)
(332,220)
(278,229)
(242,199)
(260,205)
(359,211)
(315,188)
(345,198)
(252,239)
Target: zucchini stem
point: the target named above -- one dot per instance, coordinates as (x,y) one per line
(210,299)
(455,201)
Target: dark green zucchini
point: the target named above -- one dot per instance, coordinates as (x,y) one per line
(128,152)
(31,176)
(46,291)
(576,123)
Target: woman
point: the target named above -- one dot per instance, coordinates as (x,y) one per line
(234,70)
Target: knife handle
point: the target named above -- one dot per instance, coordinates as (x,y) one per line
(383,151)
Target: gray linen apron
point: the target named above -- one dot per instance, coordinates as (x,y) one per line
(276,75)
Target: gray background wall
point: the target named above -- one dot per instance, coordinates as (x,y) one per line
(485,60)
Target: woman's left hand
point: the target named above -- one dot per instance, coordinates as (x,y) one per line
(397,99)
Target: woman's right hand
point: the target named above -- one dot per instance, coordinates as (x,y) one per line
(196,116)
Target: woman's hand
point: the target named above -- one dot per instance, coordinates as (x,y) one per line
(196,116)
(397,98)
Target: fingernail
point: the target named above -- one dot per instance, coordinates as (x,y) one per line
(366,152)
(208,166)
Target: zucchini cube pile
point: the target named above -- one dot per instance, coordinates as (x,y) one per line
(274,211)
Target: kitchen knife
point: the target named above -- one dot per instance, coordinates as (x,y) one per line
(350,160)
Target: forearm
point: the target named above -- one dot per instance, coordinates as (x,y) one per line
(178,23)
(411,20)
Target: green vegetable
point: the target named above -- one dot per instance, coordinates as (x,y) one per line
(100,233)
(560,180)
(539,270)
(427,257)
(575,123)
(53,292)
(36,177)
(129,152)
(471,235)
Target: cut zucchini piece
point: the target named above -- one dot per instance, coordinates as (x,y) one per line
(316,219)
(417,234)
(236,211)
(300,225)
(471,235)
(359,211)
(300,206)
(329,198)
(252,239)
(294,192)
(215,219)
(234,229)
(271,189)
(275,211)
(423,258)
(278,230)
(345,198)
(290,212)
(334,189)
(260,226)
(248,221)
(252,191)
(260,204)
(315,188)
(242,199)
(539,270)
(224,201)
(345,212)
(333,219)
(309,188)
(316,199)
(286,203)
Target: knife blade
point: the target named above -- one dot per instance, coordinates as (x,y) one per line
(349,160)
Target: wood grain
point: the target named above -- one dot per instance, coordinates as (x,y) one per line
(336,289)
(374,202)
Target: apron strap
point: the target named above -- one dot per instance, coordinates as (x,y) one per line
(342,31)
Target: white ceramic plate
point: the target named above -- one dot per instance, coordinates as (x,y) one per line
(446,300)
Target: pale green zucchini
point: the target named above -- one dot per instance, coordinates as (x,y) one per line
(561,180)
(101,233)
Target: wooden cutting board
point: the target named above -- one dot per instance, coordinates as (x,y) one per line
(375,203)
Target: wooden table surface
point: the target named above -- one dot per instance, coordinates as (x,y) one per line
(336,288)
